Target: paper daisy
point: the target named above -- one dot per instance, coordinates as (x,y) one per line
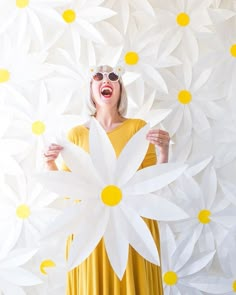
(18,68)
(80,18)
(183,21)
(25,212)
(21,15)
(209,210)
(50,266)
(113,198)
(144,54)
(38,122)
(193,104)
(179,265)
(12,275)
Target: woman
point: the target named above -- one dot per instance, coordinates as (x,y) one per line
(95,276)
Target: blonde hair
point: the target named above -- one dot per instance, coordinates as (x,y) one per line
(122,103)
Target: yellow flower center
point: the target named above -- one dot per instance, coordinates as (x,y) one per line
(131,58)
(183,19)
(170,278)
(4,75)
(203,216)
(38,127)
(46,263)
(184,96)
(233,50)
(69,16)
(111,195)
(234,286)
(23,211)
(22,3)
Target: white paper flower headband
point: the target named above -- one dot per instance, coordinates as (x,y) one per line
(119,70)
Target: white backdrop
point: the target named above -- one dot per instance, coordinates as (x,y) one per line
(179,63)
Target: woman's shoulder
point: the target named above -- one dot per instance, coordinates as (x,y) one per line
(77,132)
(137,123)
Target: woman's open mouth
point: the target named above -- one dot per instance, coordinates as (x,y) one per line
(106,91)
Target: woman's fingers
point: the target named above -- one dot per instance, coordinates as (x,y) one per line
(158,137)
(52,152)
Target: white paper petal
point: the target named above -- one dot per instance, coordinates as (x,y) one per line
(155,207)
(117,246)
(139,235)
(68,184)
(102,152)
(212,285)
(88,236)
(153,178)
(197,264)
(130,160)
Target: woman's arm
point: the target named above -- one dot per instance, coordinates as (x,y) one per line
(161,139)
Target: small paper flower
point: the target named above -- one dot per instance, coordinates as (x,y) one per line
(209,210)
(18,67)
(37,121)
(79,19)
(144,54)
(179,265)
(23,16)
(192,104)
(113,198)
(183,21)
(25,212)
(50,266)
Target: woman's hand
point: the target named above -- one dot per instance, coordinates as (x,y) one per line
(51,154)
(161,139)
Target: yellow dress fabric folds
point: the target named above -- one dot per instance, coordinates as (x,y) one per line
(95,275)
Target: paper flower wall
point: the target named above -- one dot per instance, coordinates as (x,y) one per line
(170,50)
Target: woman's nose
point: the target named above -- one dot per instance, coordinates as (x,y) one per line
(105,79)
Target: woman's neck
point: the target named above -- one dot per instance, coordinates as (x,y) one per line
(109,119)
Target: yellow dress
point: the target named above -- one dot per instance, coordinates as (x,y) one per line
(95,275)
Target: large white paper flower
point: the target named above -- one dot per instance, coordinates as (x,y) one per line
(183,21)
(145,53)
(179,265)
(25,212)
(113,198)
(12,275)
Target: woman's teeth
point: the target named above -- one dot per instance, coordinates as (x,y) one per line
(106,91)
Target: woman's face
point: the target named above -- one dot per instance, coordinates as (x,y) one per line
(105,92)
